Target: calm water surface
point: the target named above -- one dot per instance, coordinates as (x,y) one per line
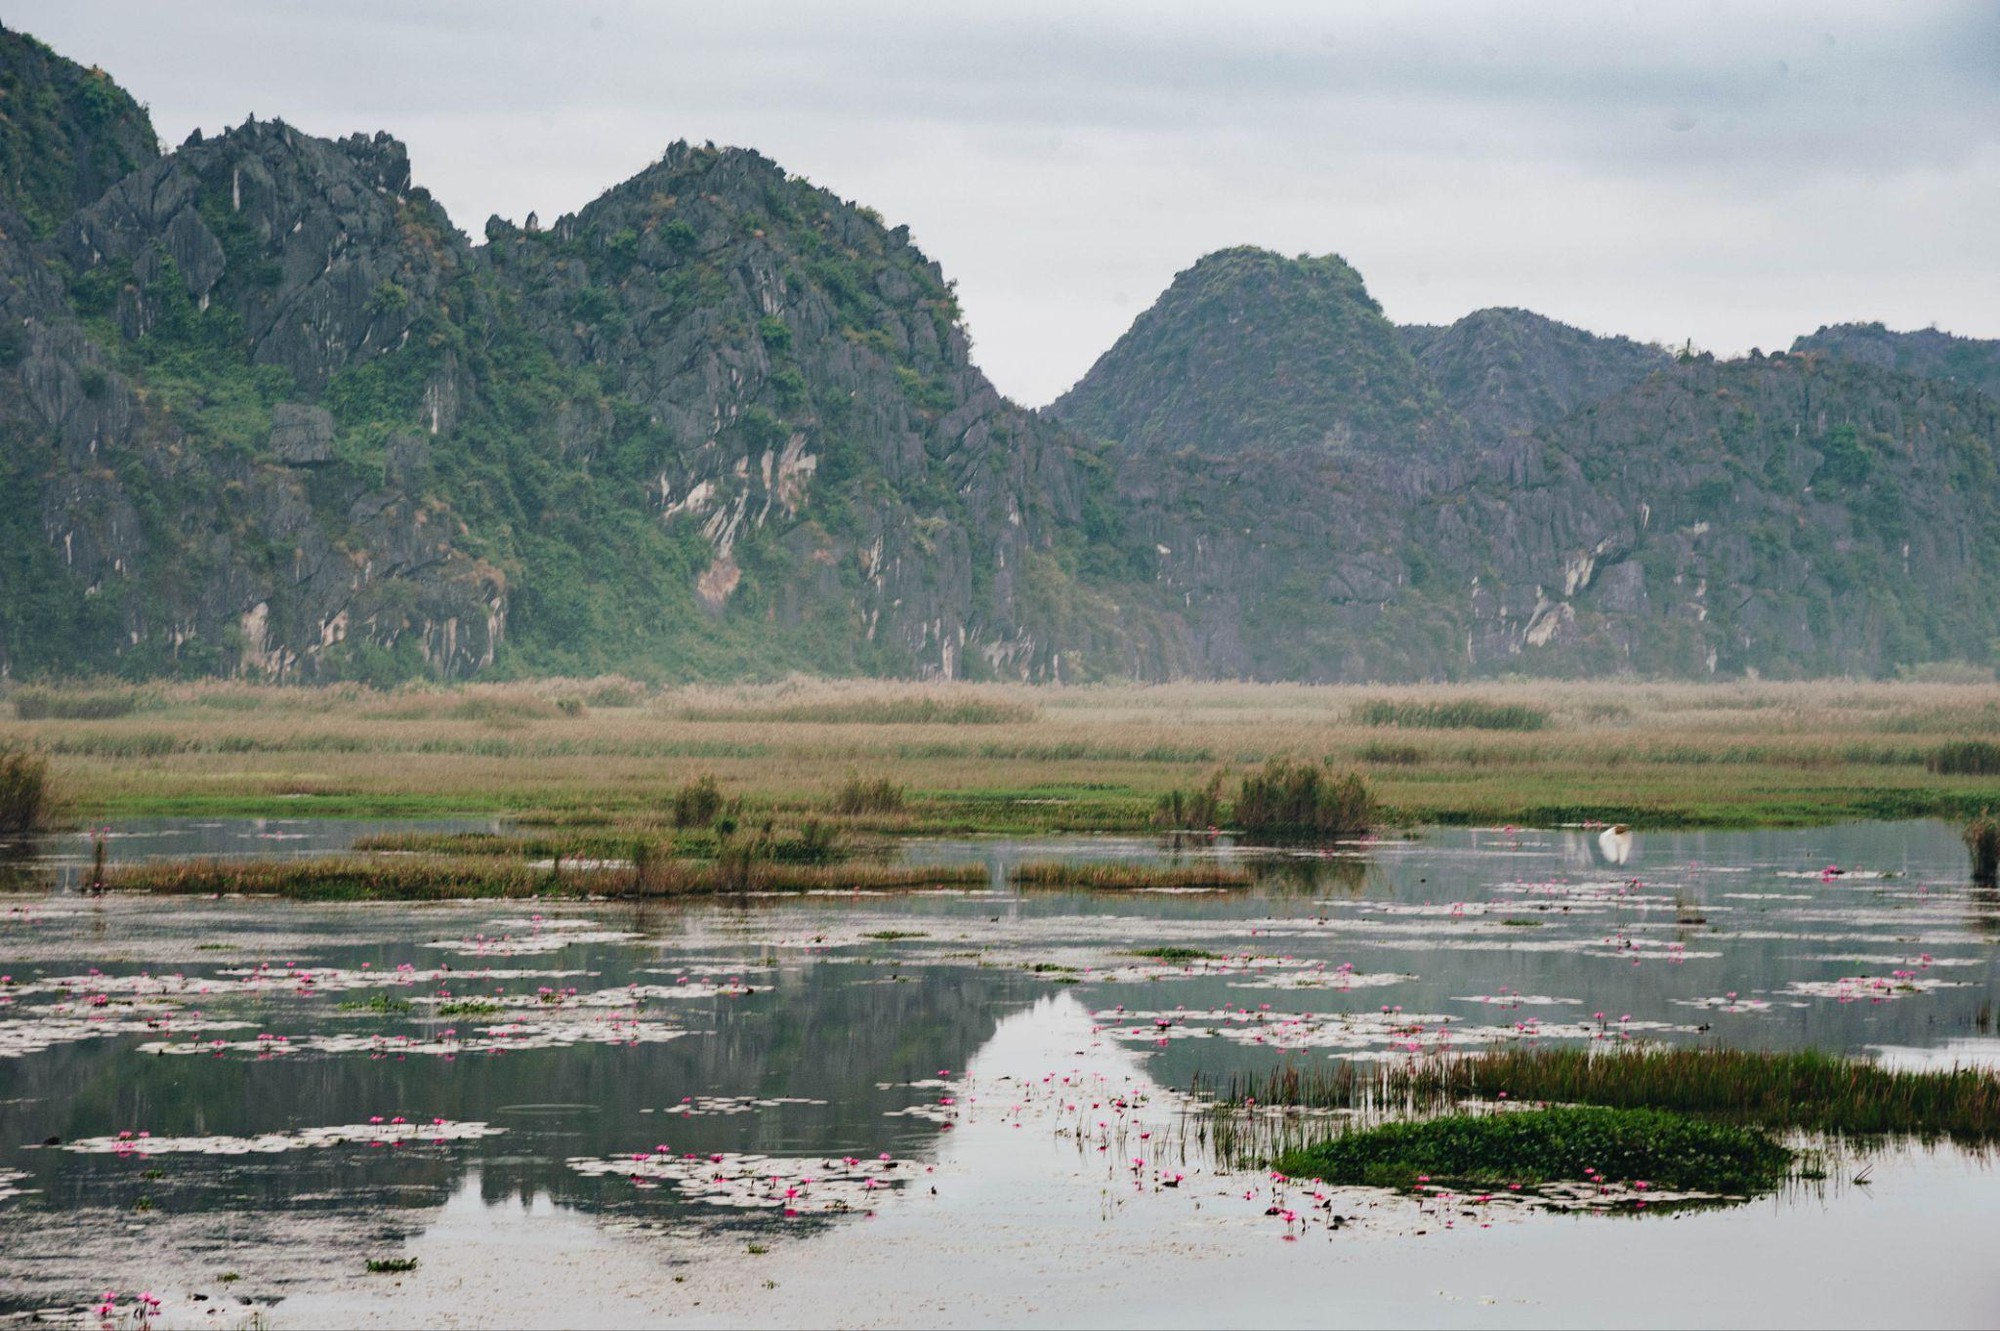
(818,1035)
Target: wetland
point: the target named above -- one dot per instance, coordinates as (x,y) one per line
(1051,1064)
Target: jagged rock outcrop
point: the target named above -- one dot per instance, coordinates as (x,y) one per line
(321,248)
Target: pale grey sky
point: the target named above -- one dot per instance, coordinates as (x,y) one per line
(1732,173)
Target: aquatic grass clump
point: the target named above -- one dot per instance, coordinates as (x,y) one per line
(381,1005)
(1304,799)
(1982,841)
(24,790)
(1549,1145)
(1451,714)
(1130,877)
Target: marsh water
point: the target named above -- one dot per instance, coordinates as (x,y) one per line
(949,1107)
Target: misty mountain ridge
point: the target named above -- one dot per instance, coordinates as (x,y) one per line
(268,411)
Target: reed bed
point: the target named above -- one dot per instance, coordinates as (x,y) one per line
(1117,877)
(349,878)
(1804,1090)
(1095,757)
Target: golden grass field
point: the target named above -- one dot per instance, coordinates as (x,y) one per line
(995,757)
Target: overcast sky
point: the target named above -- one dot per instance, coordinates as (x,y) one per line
(1733,173)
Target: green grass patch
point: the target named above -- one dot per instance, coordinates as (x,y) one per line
(380,1004)
(858,796)
(383,1266)
(1175,954)
(1550,1145)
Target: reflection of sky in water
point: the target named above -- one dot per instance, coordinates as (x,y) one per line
(1741,933)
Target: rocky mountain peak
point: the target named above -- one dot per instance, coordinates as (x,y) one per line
(1507,371)
(1252,350)
(67,133)
(1974,362)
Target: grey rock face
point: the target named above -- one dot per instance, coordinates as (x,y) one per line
(301,435)
(406,463)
